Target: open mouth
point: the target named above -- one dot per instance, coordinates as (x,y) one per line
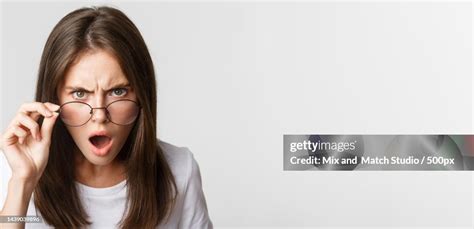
(100,141)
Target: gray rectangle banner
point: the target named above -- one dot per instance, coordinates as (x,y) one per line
(378,152)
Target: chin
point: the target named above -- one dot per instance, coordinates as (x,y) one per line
(95,160)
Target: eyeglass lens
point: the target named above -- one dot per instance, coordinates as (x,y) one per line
(122,112)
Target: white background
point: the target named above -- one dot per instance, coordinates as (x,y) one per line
(233,77)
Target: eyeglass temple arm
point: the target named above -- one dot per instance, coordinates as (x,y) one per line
(59,110)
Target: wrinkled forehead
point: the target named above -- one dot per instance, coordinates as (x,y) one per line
(94,70)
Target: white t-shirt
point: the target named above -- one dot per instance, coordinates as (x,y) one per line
(105,206)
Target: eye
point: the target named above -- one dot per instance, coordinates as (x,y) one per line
(78,94)
(120,92)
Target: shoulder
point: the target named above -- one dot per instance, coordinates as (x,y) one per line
(175,155)
(181,161)
(191,206)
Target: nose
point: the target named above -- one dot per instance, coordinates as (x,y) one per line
(99,112)
(99,115)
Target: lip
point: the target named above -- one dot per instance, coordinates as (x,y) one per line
(99,133)
(104,150)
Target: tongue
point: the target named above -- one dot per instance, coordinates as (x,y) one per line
(100,141)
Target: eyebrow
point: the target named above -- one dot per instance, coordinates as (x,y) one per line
(79,88)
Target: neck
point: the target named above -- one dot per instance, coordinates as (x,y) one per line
(99,176)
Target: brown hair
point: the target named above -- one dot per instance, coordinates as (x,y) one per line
(151,186)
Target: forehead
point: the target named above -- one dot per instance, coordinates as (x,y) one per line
(95,69)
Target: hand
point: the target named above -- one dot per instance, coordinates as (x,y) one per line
(26,144)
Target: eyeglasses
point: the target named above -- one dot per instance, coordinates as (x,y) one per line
(121,112)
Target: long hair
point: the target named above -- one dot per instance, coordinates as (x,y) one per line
(151,186)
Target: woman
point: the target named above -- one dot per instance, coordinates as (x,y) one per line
(99,164)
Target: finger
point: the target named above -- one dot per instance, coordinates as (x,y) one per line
(41,108)
(20,133)
(51,106)
(22,139)
(35,116)
(30,124)
(47,127)
(9,137)
(12,135)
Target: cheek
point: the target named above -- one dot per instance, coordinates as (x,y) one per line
(77,133)
(122,133)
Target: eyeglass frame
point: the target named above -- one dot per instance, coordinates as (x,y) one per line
(107,113)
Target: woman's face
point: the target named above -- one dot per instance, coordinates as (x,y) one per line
(97,79)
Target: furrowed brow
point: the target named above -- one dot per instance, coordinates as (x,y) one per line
(77,88)
(120,85)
